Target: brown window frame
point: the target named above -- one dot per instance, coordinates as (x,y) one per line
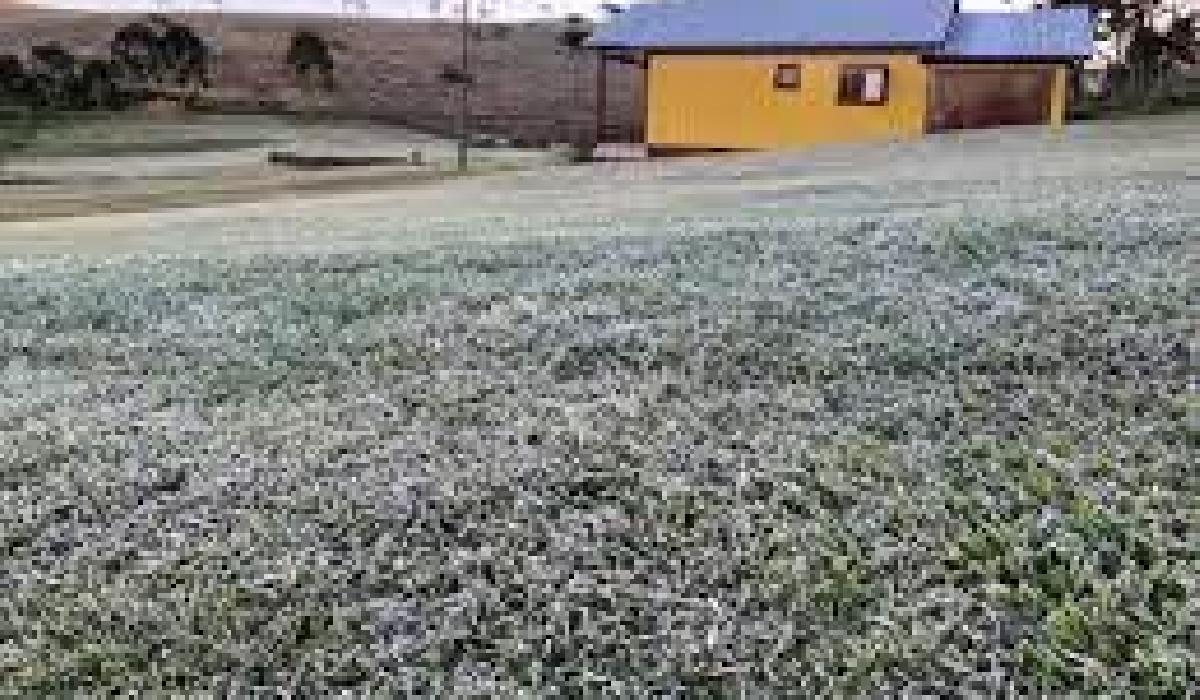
(847,98)
(782,85)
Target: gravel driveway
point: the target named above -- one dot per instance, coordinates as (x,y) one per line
(873,422)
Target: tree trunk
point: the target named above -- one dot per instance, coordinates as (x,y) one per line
(1168,84)
(309,96)
(1141,84)
(1163,88)
(1154,84)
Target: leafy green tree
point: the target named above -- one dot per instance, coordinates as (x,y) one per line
(311,62)
(162,53)
(184,56)
(1152,46)
(96,87)
(53,84)
(19,106)
(15,81)
(54,75)
(58,81)
(575,33)
(134,48)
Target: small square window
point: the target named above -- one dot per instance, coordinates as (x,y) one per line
(863,85)
(787,77)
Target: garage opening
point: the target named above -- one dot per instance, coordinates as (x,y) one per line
(977,98)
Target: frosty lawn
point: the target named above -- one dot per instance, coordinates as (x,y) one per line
(650,455)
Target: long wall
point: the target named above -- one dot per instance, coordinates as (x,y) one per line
(528,86)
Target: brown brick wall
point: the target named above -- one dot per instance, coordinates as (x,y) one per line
(528,87)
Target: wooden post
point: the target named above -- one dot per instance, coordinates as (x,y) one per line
(464,106)
(1058,99)
(601,96)
(644,64)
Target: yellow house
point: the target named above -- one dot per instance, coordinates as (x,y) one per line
(766,74)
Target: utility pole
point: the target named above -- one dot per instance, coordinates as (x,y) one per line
(464,105)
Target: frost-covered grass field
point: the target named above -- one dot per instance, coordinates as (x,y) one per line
(746,452)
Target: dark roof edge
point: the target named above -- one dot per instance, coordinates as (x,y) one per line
(918,48)
(1001,59)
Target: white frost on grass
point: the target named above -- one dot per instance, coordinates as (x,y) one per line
(733,449)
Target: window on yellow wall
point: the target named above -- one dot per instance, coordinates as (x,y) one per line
(863,85)
(787,76)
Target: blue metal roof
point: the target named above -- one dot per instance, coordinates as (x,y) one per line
(1065,32)
(776,23)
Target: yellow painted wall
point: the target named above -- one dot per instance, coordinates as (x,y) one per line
(710,101)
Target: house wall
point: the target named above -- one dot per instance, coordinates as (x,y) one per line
(730,101)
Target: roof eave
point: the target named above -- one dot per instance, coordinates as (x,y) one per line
(1010,58)
(907,47)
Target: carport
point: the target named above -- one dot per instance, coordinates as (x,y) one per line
(1005,69)
(975,97)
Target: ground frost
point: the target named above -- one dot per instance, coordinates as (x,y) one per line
(866,456)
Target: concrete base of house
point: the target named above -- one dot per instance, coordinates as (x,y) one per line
(1050,124)
(620,151)
(673,151)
